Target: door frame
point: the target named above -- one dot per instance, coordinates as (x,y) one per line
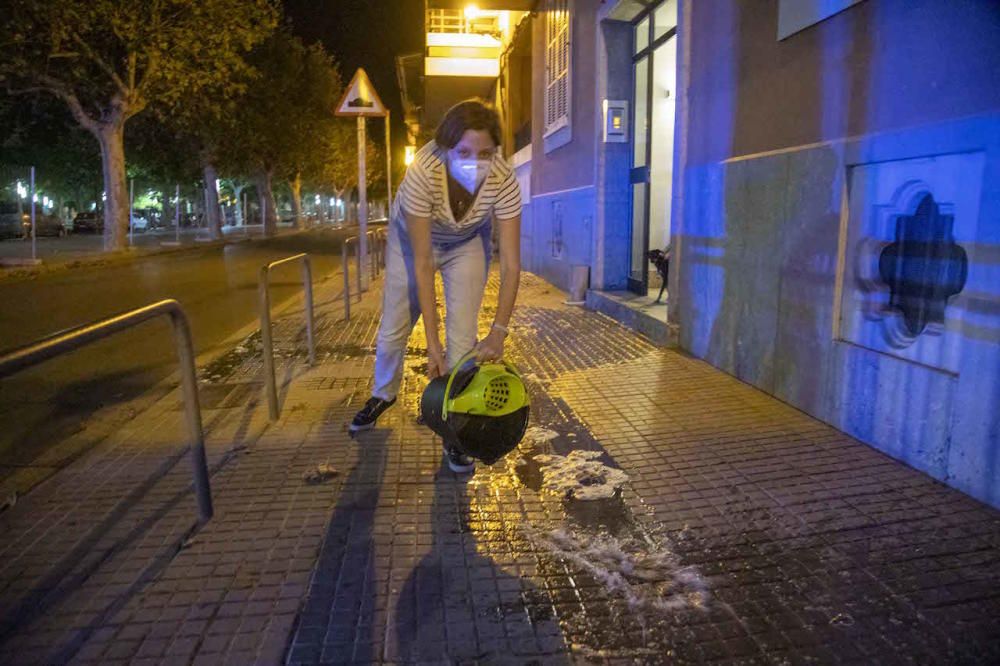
(642,174)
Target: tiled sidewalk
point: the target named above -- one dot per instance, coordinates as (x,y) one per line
(746,532)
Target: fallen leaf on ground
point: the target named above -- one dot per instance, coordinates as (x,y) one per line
(320,473)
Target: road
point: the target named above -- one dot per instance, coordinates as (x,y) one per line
(53,251)
(216,285)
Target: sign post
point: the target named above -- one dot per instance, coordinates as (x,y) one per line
(362,199)
(31,202)
(131,214)
(361,101)
(388,164)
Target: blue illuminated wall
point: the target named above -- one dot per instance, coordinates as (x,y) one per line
(560,232)
(802,156)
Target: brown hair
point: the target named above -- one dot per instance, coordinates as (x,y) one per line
(472,114)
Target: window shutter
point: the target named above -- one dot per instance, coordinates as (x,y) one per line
(558,60)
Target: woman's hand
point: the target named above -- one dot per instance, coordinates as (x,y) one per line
(490,348)
(435,360)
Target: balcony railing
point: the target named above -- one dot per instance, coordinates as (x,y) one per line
(458,21)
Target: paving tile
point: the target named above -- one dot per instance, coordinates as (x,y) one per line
(746,532)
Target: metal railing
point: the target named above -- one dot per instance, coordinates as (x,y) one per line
(61,343)
(377,242)
(267,342)
(346,266)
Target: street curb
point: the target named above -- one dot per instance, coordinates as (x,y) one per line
(18,272)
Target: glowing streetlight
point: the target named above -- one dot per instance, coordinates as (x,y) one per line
(410,155)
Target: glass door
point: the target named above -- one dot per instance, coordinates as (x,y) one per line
(654,75)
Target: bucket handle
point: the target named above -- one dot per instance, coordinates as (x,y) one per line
(451,378)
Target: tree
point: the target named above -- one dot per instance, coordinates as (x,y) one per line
(340,170)
(167,158)
(318,88)
(300,86)
(40,132)
(107,60)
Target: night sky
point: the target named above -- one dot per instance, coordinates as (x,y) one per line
(364,33)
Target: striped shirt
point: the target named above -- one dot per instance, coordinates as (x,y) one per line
(424,193)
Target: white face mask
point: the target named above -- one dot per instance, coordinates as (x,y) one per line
(469,173)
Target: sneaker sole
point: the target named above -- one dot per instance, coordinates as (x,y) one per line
(461,469)
(361,428)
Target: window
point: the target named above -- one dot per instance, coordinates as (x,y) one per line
(557,65)
(641,35)
(664,19)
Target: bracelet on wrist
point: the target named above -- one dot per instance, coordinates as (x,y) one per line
(502,329)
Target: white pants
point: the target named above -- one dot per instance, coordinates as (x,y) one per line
(464,268)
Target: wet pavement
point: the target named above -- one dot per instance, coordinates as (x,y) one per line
(658,511)
(58,401)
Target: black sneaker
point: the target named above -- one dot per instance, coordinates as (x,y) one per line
(365,419)
(458,462)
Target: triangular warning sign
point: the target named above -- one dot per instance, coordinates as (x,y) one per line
(360,98)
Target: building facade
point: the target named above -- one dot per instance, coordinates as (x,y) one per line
(824,177)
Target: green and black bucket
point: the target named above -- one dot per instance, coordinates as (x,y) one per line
(482,409)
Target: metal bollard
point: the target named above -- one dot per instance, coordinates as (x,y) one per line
(347,280)
(307,283)
(66,341)
(264,296)
(357,256)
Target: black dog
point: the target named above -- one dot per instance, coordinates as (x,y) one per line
(660,259)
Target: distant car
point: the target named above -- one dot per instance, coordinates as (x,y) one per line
(45,225)
(139,223)
(88,223)
(155,219)
(11,221)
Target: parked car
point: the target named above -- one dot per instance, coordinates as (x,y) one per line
(11,221)
(139,223)
(18,225)
(45,225)
(92,223)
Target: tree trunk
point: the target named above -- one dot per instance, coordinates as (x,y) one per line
(269,211)
(111,136)
(295,185)
(212,221)
(166,208)
(339,209)
(238,191)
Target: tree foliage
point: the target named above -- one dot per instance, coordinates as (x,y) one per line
(284,127)
(108,60)
(111,57)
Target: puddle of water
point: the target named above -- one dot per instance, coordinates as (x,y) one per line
(580,476)
(645,573)
(348,350)
(221,368)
